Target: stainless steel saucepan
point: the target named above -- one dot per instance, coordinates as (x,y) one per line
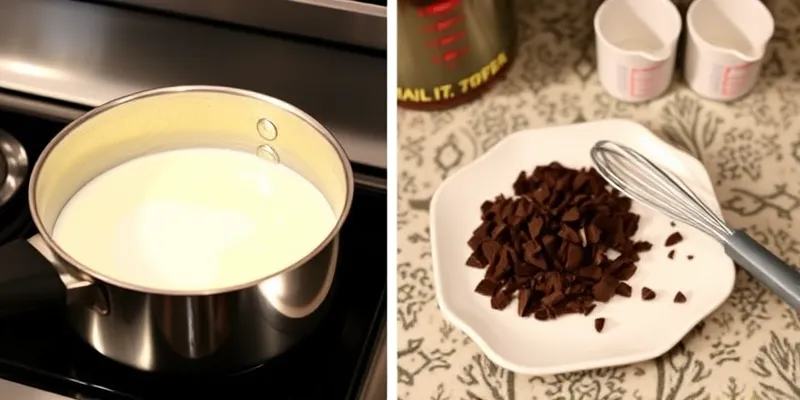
(220,329)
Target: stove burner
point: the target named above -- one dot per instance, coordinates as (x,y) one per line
(3,169)
(13,166)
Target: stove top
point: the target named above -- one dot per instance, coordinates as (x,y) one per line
(13,166)
(40,350)
(3,167)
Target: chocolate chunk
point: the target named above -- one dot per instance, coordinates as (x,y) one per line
(599,254)
(626,272)
(486,206)
(690,257)
(550,243)
(522,211)
(589,309)
(579,181)
(530,249)
(553,298)
(672,224)
(671,254)
(592,233)
(490,250)
(520,185)
(487,287)
(573,306)
(673,239)
(547,244)
(642,246)
(483,229)
(605,288)
(599,323)
(501,300)
(477,260)
(564,183)
(539,262)
(524,270)
(553,282)
(602,220)
(648,294)
(499,230)
(503,265)
(523,301)
(475,242)
(569,234)
(507,210)
(571,215)
(679,298)
(542,194)
(624,290)
(618,264)
(535,226)
(574,256)
(541,315)
(593,272)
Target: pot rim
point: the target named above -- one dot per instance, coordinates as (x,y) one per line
(95,275)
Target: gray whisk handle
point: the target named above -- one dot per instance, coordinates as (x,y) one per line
(781,278)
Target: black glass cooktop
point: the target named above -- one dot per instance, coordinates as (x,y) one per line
(40,350)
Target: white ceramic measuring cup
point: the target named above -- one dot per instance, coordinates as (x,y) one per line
(725,44)
(636,43)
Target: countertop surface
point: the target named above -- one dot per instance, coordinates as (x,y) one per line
(748,349)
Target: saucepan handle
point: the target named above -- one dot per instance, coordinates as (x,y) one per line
(27,279)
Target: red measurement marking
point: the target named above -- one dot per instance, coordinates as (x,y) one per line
(445,40)
(438,8)
(640,80)
(442,25)
(450,56)
(734,77)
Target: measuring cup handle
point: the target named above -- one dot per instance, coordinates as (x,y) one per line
(781,278)
(28,280)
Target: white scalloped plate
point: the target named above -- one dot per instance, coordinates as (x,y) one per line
(635,330)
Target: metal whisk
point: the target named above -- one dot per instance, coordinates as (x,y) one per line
(640,179)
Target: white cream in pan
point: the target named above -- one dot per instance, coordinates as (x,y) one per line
(194,219)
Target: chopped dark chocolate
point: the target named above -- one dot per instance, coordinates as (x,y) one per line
(626,272)
(672,224)
(690,257)
(572,215)
(541,315)
(523,301)
(599,323)
(548,243)
(605,288)
(487,287)
(624,290)
(671,254)
(648,294)
(673,239)
(477,260)
(642,246)
(501,300)
(679,298)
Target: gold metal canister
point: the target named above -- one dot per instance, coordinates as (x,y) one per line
(449,51)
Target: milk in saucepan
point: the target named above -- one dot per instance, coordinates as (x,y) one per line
(194,219)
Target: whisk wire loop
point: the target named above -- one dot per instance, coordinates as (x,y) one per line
(642,180)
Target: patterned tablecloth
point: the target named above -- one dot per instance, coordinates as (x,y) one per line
(748,349)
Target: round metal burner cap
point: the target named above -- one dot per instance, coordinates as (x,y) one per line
(13,166)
